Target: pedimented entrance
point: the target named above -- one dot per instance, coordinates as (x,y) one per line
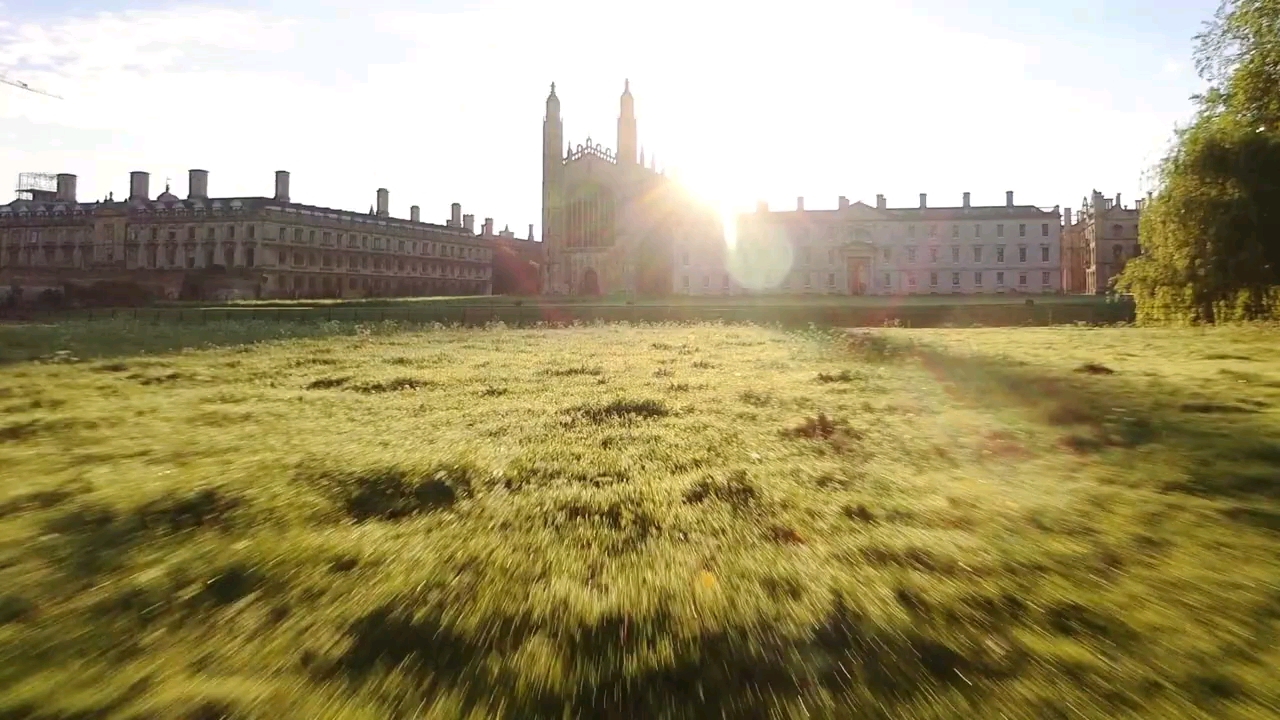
(859,269)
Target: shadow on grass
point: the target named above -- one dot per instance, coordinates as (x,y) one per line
(647,665)
(74,340)
(1225,453)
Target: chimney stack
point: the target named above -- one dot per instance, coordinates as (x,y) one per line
(1118,200)
(455,215)
(924,200)
(197,184)
(966,199)
(415,214)
(66,187)
(383,202)
(530,231)
(1066,217)
(844,203)
(880,202)
(487,231)
(139,186)
(282,185)
(1008,198)
(469,223)
(800,204)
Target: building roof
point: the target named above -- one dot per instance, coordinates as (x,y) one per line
(167,202)
(862,211)
(984,212)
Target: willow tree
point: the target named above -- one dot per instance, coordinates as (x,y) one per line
(1211,235)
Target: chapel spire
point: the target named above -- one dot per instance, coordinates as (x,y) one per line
(627,127)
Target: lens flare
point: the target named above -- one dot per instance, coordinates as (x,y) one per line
(760,257)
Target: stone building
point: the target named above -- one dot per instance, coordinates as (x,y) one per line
(517,264)
(857,249)
(610,224)
(1098,242)
(265,246)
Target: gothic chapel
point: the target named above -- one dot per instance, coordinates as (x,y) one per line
(611,225)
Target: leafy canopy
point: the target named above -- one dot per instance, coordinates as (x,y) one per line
(1211,234)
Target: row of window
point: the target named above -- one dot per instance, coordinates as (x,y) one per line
(325,238)
(977,254)
(364,262)
(153,255)
(52,235)
(1117,230)
(210,233)
(47,256)
(886,280)
(977,230)
(803,232)
(327,284)
(806,257)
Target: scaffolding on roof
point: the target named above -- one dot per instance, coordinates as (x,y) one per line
(33,184)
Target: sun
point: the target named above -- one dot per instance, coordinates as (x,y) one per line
(763,258)
(716,193)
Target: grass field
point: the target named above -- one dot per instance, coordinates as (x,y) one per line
(692,300)
(918,311)
(638,522)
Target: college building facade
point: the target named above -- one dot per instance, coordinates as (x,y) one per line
(612,225)
(270,247)
(1098,242)
(858,249)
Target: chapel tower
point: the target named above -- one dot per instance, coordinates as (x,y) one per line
(552,164)
(627,128)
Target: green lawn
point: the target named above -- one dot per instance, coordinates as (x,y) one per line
(638,522)
(794,311)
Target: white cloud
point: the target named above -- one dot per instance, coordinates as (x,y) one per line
(818,99)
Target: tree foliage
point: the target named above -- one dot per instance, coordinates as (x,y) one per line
(1211,235)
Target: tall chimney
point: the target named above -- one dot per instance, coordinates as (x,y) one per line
(282,185)
(800,204)
(415,214)
(531,231)
(1008,198)
(966,199)
(924,200)
(455,215)
(469,223)
(844,202)
(488,227)
(197,184)
(383,200)
(1066,217)
(139,185)
(1118,200)
(880,202)
(66,187)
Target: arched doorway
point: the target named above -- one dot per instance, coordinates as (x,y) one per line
(590,285)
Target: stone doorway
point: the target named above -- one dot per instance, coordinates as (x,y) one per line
(859,269)
(590,284)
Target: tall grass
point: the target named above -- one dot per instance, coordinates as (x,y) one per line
(658,521)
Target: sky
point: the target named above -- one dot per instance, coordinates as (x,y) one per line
(443,101)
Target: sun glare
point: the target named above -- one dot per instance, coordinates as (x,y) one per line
(729,225)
